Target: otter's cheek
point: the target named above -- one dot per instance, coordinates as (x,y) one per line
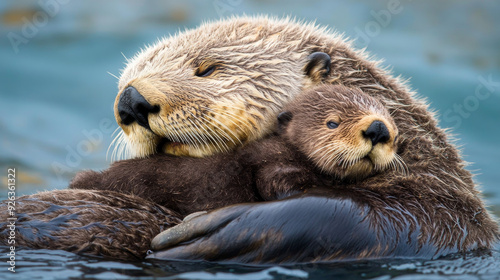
(234,123)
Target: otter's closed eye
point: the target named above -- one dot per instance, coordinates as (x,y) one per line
(332,124)
(203,72)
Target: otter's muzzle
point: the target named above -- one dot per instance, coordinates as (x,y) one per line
(133,107)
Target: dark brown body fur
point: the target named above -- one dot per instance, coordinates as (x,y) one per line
(98,223)
(266,170)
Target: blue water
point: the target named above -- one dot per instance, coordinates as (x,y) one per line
(55,91)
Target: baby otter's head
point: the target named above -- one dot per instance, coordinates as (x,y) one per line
(213,88)
(344,131)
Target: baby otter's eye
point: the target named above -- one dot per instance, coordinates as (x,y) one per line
(396,139)
(332,124)
(206,71)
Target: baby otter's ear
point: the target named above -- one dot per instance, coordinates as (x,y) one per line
(283,119)
(318,66)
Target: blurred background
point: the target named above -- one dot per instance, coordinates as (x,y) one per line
(59,58)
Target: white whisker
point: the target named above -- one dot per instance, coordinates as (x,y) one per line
(322,148)
(196,135)
(113,75)
(119,143)
(225,132)
(207,133)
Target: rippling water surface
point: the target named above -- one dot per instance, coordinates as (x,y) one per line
(57,90)
(56,264)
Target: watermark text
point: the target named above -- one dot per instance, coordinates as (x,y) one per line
(11,220)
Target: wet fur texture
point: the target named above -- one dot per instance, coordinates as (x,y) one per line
(97,223)
(261,69)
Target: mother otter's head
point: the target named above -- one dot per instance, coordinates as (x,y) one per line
(344,131)
(213,88)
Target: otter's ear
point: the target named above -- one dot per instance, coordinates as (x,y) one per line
(283,119)
(318,66)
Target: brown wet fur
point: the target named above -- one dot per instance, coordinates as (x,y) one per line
(97,223)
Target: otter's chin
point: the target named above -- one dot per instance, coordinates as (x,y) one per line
(360,170)
(367,165)
(382,157)
(135,142)
(167,146)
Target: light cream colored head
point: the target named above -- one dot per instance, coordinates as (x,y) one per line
(213,88)
(342,130)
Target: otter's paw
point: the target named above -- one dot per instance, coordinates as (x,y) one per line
(297,229)
(196,225)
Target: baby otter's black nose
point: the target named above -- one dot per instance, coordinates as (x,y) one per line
(377,132)
(132,106)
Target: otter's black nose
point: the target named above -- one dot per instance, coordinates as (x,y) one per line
(132,106)
(377,132)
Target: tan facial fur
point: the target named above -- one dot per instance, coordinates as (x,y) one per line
(344,151)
